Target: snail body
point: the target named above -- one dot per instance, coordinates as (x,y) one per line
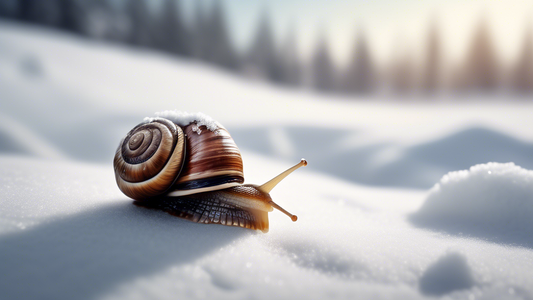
(189,166)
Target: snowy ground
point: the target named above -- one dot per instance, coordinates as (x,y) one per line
(370,225)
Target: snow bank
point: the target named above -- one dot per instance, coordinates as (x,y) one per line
(493,201)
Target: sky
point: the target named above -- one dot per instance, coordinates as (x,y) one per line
(392,27)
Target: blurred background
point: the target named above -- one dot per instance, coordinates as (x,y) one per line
(349,47)
(395,93)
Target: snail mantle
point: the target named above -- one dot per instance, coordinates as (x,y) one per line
(189,166)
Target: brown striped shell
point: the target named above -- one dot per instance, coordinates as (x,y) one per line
(160,158)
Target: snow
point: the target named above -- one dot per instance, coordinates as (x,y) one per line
(81,238)
(16,138)
(184,118)
(420,165)
(450,272)
(492,201)
(366,229)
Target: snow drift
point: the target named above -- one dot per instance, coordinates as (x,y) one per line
(492,201)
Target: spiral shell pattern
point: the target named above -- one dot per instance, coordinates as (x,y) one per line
(149,159)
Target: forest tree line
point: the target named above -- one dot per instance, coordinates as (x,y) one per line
(207,38)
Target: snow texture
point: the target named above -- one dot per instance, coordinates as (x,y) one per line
(184,118)
(492,201)
(68,233)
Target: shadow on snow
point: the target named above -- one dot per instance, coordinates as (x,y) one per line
(82,256)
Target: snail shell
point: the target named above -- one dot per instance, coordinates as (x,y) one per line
(158,156)
(194,171)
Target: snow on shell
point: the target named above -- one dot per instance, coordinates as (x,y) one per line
(184,118)
(493,200)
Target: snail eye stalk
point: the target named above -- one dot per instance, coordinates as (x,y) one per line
(294,218)
(268,186)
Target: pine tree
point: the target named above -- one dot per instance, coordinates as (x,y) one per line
(432,74)
(71,15)
(290,66)
(120,27)
(361,75)
(262,54)
(323,70)
(173,33)
(140,23)
(95,19)
(522,73)
(403,71)
(46,12)
(219,49)
(49,13)
(8,8)
(4,9)
(481,66)
(198,40)
(26,9)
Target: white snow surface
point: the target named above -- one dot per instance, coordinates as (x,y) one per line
(493,201)
(67,232)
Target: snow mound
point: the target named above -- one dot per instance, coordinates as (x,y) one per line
(493,201)
(449,273)
(421,165)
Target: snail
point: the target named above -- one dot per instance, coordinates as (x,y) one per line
(189,166)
